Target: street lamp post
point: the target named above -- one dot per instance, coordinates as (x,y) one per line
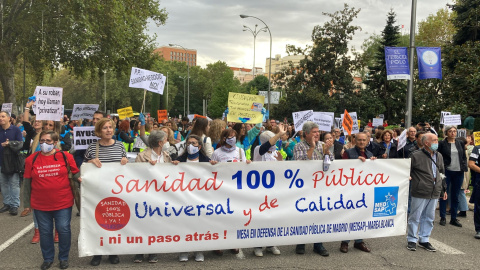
(183,78)
(188,77)
(254,33)
(270,65)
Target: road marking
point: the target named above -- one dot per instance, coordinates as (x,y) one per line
(444,248)
(16,237)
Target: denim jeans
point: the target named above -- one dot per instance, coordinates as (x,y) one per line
(454,184)
(10,185)
(45,226)
(462,201)
(420,219)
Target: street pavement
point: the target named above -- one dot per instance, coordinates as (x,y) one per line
(456,249)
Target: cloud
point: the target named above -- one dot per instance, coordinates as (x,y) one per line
(215,30)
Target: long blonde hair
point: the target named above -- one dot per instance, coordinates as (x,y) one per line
(170,137)
(215,131)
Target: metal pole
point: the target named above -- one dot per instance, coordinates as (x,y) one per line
(188,89)
(254,38)
(105,89)
(166,103)
(24,86)
(408,113)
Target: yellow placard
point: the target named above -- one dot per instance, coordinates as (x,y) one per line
(245,108)
(125,112)
(476,138)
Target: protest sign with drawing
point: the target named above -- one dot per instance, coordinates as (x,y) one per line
(83,111)
(245,108)
(299,118)
(49,103)
(148,80)
(125,112)
(7,107)
(162,115)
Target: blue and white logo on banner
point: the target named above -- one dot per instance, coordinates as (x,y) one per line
(386,201)
(429,63)
(396,59)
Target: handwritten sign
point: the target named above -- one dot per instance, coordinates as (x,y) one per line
(462,133)
(338,123)
(83,111)
(7,107)
(245,108)
(49,103)
(200,206)
(83,137)
(347,122)
(274,96)
(377,122)
(125,112)
(476,138)
(355,127)
(148,80)
(324,121)
(162,115)
(299,118)
(442,116)
(453,119)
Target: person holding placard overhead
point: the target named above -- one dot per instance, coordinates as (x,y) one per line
(105,150)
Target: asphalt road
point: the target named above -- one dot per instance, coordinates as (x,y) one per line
(456,249)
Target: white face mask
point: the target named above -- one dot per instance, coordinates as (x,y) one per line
(165,146)
(46,148)
(192,150)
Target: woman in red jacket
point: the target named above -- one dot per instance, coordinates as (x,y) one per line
(47,190)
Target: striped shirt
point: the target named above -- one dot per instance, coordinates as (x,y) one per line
(110,153)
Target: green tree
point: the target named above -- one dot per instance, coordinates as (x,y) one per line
(391,93)
(79,35)
(326,70)
(259,83)
(467,21)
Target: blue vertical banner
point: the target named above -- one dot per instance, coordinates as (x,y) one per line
(429,63)
(396,59)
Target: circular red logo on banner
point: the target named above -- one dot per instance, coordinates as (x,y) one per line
(112,213)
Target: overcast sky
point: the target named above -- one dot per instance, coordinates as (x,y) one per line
(215,30)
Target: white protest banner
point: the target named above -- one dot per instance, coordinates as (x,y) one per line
(442,116)
(199,206)
(453,119)
(299,118)
(49,103)
(377,122)
(148,80)
(324,121)
(355,128)
(462,133)
(274,96)
(7,107)
(402,139)
(83,111)
(83,137)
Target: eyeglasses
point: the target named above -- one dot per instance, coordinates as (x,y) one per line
(192,143)
(46,141)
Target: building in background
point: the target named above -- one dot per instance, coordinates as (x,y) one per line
(245,75)
(279,63)
(178,54)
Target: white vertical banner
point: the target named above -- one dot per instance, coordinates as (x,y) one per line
(299,118)
(49,103)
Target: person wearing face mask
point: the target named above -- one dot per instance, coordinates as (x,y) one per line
(47,190)
(153,154)
(428,185)
(227,151)
(194,153)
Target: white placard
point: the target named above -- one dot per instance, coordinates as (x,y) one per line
(453,119)
(355,128)
(442,116)
(402,139)
(148,80)
(49,103)
(324,121)
(83,137)
(164,208)
(274,96)
(83,111)
(377,122)
(462,133)
(7,107)
(299,118)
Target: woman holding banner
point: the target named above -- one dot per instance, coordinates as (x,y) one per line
(388,147)
(195,153)
(105,150)
(153,155)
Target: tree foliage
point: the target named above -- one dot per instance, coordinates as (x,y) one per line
(467,21)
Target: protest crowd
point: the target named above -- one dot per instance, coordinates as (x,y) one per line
(39,160)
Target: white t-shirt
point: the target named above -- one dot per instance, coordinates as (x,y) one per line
(237,155)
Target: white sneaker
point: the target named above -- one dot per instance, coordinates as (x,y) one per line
(274,250)
(199,257)
(183,257)
(258,252)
